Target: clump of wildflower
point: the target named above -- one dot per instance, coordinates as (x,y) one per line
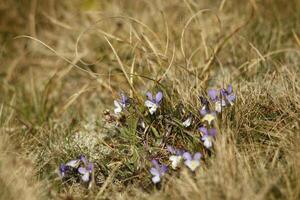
(157,171)
(176,156)
(153,103)
(208,136)
(121,104)
(192,162)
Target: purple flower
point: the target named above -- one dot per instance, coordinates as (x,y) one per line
(153,103)
(213,94)
(157,171)
(64,169)
(192,162)
(218,102)
(79,166)
(228,95)
(86,170)
(176,158)
(208,136)
(121,104)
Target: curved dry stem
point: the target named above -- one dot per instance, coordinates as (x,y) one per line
(187,24)
(169,67)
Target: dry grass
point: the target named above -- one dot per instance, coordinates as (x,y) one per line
(63,62)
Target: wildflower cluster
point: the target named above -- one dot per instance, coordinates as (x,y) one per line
(136,122)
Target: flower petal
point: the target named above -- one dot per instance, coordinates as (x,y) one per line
(187,156)
(73,163)
(192,164)
(209,118)
(213,94)
(85,177)
(171,149)
(175,161)
(149,96)
(231,98)
(63,169)
(197,156)
(163,169)
(203,130)
(149,104)
(153,109)
(155,163)
(90,167)
(218,106)
(158,97)
(204,110)
(213,132)
(154,171)
(123,99)
(187,122)
(82,170)
(207,142)
(156,179)
(118,107)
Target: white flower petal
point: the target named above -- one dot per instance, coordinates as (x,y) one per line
(208,142)
(153,109)
(192,164)
(149,104)
(85,177)
(218,106)
(73,163)
(175,161)
(156,179)
(209,118)
(187,122)
(154,171)
(118,107)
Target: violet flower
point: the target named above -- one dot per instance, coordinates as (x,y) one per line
(218,102)
(86,170)
(205,111)
(79,166)
(151,103)
(157,171)
(228,95)
(64,169)
(208,136)
(121,104)
(176,158)
(192,162)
